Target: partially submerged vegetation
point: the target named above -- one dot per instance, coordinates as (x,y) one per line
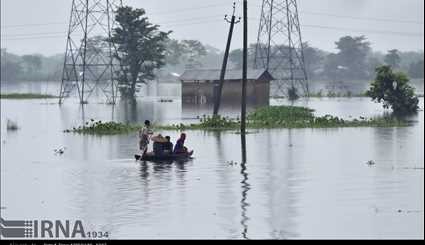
(103,128)
(394,91)
(19,96)
(287,117)
(263,118)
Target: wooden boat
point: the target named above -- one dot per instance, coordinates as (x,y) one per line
(150,157)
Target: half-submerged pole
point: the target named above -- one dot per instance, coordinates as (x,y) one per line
(217,99)
(245,66)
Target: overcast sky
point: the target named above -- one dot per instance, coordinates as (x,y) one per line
(384,22)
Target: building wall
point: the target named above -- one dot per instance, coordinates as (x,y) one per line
(258,93)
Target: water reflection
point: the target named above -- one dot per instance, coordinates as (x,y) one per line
(245,189)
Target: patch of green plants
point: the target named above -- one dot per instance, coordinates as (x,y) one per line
(103,128)
(331,94)
(262,118)
(287,117)
(26,96)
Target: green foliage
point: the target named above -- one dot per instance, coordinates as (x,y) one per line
(27,96)
(416,69)
(103,128)
(218,122)
(31,63)
(350,62)
(393,90)
(393,58)
(286,117)
(272,114)
(267,117)
(186,52)
(140,46)
(30,67)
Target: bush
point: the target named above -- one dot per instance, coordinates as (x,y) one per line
(392,89)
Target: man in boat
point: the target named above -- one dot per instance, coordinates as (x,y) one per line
(180,148)
(144,135)
(168,146)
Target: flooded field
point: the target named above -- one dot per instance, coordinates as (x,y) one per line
(296,184)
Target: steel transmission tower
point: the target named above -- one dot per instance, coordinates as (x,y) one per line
(89,64)
(279,45)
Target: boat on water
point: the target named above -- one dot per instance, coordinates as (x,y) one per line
(151,157)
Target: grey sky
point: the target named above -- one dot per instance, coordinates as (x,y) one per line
(207,25)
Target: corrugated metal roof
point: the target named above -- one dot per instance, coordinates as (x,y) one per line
(214,75)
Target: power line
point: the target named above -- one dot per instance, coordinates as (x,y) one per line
(201,20)
(189,21)
(30,25)
(418,22)
(362,18)
(156,13)
(366,31)
(393,33)
(173,12)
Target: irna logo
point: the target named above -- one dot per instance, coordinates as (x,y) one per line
(41,229)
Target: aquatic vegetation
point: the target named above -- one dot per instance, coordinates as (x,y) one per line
(26,96)
(206,123)
(287,117)
(262,118)
(330,94)
(103,128)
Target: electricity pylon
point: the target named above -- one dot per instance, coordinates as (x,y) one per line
(279,45)
(89,62)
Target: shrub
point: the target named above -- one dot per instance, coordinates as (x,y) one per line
(392,89)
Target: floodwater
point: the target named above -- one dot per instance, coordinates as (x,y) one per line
(296,184)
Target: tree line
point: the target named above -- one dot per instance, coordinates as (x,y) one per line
(145,53)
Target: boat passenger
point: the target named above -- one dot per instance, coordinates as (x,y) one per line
(180,148)
(158,145)
(168,146)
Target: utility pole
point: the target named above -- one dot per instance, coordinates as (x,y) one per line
(217,99)
(245,66)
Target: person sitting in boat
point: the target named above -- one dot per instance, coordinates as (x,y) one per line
(159,145)
(180,148)
(144,135)
(168,146)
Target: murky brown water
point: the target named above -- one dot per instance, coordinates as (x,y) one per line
(303,183)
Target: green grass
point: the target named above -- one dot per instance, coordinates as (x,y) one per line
(18,96)
(263,118)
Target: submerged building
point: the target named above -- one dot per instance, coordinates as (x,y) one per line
(201,85)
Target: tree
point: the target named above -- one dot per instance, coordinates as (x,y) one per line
(373,62)
(10,70)
(31,63)
(416,69)
(393,58)
(313,58)
(193,50)
(393,90)
(174,52)
(140,49)
(235,57)
(351,60)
